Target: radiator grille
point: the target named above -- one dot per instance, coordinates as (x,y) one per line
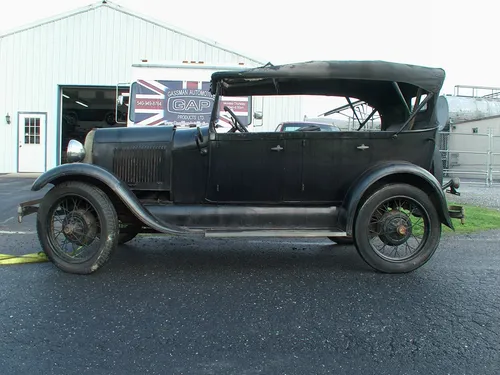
(140,164)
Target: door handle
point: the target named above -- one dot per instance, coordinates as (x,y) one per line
(277,148)
(362,147)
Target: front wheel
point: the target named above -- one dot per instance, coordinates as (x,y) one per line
(397,229)
(77,227)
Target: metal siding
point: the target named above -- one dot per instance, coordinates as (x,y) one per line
(8,104)
(96,47)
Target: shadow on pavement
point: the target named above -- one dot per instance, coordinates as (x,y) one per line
(195,257)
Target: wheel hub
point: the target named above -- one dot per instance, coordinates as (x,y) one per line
(80,227)
(395,228)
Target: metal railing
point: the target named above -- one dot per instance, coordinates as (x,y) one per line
(476,91)
(495,160)
(475,158)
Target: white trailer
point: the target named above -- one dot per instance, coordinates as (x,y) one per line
(178,94)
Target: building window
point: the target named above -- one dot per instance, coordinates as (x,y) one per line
(32,131)
(474,130)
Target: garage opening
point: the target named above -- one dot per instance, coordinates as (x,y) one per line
(86,108)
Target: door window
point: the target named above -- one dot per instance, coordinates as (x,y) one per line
(32,130)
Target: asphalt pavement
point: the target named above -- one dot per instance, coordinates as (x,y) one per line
(13,190)
(165,305)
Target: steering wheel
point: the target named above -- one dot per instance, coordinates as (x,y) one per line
(242,128)
(231,121)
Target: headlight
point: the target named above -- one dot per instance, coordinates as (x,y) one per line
(75,151)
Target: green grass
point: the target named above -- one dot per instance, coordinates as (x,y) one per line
(476,219)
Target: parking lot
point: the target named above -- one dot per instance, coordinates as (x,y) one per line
(166,305)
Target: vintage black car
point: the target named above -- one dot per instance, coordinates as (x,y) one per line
(381,190)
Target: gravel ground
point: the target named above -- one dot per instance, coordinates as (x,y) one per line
(478,195)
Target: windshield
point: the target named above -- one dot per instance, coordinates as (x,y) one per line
(182,103)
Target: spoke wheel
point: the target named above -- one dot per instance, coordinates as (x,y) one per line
(74,229)
(77,227)
(397,229)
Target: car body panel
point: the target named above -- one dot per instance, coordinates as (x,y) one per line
(248,217)
(137,156)
(333,161)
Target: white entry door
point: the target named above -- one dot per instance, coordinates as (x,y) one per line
(32,133)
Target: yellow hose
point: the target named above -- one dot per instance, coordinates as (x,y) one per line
(39,257)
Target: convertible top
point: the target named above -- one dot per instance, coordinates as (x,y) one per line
(300,78)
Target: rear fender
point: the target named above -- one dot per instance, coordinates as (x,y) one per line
(92,173)
(392,172)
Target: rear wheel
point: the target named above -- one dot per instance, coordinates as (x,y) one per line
(397,229)
(77,227)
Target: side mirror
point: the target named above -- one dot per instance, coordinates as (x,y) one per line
(119,100)
(257,115)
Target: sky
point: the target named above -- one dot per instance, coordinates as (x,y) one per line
(459,36)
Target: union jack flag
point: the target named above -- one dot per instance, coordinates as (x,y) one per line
(149,98)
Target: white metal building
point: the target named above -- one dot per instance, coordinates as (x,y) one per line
(87,52)
(470,142)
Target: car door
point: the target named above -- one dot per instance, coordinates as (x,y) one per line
(333,160)
(246,167)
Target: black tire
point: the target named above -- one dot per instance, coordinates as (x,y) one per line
(109,118)
(342,240)
(407,195)
(99,211)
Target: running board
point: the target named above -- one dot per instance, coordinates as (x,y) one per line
(275,233)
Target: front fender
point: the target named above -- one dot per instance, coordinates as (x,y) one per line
(64,172)
(92,172)
(393,172)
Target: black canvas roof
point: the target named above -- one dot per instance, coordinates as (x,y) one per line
(338,76)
